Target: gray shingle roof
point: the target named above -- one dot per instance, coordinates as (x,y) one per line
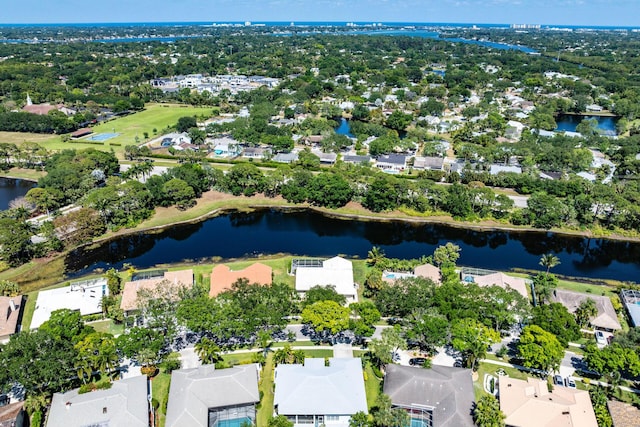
(194,391)
(125,404)
(316,389)
(606,317)
(448,390)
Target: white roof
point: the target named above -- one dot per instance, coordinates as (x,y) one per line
(125,404)
(337,272)
(85,296)
(316,389)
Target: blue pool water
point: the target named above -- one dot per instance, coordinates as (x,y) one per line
(102,136)
(237,422)
(418,423)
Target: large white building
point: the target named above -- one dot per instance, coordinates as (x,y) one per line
(336,272)
(315,394)
(84,296)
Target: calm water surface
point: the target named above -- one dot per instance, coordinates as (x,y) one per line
(11,189)
(306,233)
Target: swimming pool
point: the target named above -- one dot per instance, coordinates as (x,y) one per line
(236,422)
(418,423)
(102,136)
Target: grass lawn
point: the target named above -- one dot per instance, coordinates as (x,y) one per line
(29,174)
(158,116)
(318,353)
(160,389)
(238,358)
(488,368)
(22,137)
(372,386)
(266,387)
(107,326)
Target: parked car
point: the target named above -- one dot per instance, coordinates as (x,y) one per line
(557,380)
(600,338)
(417,361)
(569,382)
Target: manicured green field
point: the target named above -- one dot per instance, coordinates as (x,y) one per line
(154,116)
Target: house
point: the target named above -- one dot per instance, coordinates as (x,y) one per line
(439,396)
(286,157)
(623,414)
(125,404)
(606,319)
(129,303)
(392,162)
(10,309)
(428,163)
(489,278)
(428,271)
(256,153)
(44,109)
(631,300)
(85,296)
(531,404)
(356,160)
(206,396)
(326,158)
(13,415)
(222,277)
(315,394)
(336,272)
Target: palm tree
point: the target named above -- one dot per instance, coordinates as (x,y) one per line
(375,256)
(208,351)
(264,341)
(549,261)
(487,413)
(287,355)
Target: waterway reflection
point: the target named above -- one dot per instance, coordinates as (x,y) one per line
(307,233)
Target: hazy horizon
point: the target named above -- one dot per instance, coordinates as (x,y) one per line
(606,13)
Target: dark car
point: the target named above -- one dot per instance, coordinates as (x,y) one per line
(557,380)
(417,361)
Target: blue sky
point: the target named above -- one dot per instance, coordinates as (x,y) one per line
(560,12)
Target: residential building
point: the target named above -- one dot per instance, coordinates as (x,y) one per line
(125,404)
(336,272)
(607,318)
(356,160)
(10,309)
(496,169)
(531,404)
(13,415)
(488,278)
(623,414)
(256,153)
(315,394)
(286,157)
(428,163)
(326,158)
(222,277)
(428,271)
(440,396)
(85,296)
(392,162)
(631,300)
(210,397)
(169,279)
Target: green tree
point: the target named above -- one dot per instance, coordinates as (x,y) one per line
(539,349)
(326,317)
(66,325)
(363,316)
(384,415)
(323,293)
(185,123)
(447,253)
(586,311)
(113,281)
(428,329)
(555,318)
(96,354)
(375,256)
(549,261)
(472,338)
(398,120)
(9,288)
(287,355)
(179,193)
(487,413)
(391,340)
(359,419)
(208,351)
(279,421)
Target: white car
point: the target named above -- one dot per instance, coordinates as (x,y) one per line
(600,338)
(569,382)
